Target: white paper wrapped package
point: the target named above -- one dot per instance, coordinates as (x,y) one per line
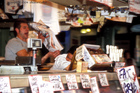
(51,42)
(82,53)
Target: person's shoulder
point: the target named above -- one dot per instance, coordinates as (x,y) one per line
(13,41)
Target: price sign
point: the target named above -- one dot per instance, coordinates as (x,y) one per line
(128,79)
(71,81)
(85,80)
(119,65)
(103,79)
(45,87)
(79,53)
(94,85)
(5,84)
(56,81)
(33,80)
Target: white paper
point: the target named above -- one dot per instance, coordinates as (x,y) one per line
(56,81)
(5,84)
(45,87)
(94,85)
(128,79)
(103,79)
(85,80)
(71,81)
(33,80)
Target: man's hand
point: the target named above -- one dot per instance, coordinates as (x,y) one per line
(54,54)
(40,36)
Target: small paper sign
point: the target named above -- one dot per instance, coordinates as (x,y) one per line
(33,80)
(45,87)
(56,81)
(5,85)
(103,79)
(128,79)
(94,85)
(119,65)
(71,81)
(85,80)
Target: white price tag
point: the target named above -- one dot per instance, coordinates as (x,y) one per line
(33,80)
(71,81)
(56,81)
(85,80)
(5,84)
(103,79)
(45,87)
(94,85)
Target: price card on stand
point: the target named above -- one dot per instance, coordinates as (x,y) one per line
(56,81)
(5,84)
(34,82)
(128,79)
(119,65)
(85,80)
(71,81)
(94,85)
(45,87)
(103,79)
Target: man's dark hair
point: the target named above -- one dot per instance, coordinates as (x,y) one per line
(18,22)
(72,49)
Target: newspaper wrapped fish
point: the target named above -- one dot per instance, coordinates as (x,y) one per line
(51,42)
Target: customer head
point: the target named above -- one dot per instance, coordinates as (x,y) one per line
(21,27)
(71,52)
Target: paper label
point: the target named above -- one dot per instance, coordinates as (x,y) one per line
(71,81)
(33,80)
(94,85)
(56,81)
(103,79)
(128,79)
(5,84)
(85,80)
(45,87)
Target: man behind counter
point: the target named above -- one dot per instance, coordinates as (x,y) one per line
(18,46)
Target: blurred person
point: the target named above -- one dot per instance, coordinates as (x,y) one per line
(18,46)
(63,61)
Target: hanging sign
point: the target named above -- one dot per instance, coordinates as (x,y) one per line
(128,79)
(56,81)
(5,84)
(103,79)
(71,81)
(85,80)
(33,80)
(94,85)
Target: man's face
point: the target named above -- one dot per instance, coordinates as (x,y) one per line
(23,31)
(69,57)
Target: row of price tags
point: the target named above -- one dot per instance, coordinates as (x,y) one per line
(38,85)
(126,75)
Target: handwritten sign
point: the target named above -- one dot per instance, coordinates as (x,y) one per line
(5,85)
(119,65)
(33,80)
(79,53)
(103,79)
(56,81)
(85,80)
(71,81)
(45,87)
(128,79)
(94,85)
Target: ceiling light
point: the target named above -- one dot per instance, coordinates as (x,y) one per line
(88,30)
(83,31)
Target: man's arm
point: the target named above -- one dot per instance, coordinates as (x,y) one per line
(23,52)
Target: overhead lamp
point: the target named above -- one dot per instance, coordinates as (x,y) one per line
(83,31)
(88,30)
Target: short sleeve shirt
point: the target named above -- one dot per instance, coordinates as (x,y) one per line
(60,62)
(13,46)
